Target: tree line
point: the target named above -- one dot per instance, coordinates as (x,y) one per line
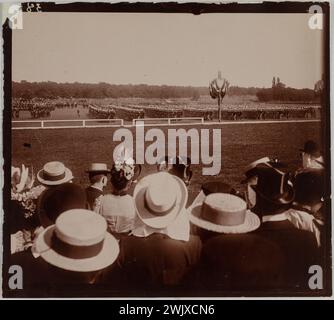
(52,90)
(29,90)
(280,92)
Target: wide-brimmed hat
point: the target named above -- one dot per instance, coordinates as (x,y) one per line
(252,169)
(274,186)
(98,168)
(159,198)
(54,173)
(224,213)
(79,241)
(312,148)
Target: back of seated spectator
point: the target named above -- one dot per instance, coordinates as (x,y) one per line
(58,199)
(118,207)
(64,268)
(161,250)
(311,156)
(305,212)
(98,179)
(233,257)
(274,196)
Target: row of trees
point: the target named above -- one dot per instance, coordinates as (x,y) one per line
(28,90)
(280,92)
(287,94)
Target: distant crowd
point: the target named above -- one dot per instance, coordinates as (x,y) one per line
(79,241)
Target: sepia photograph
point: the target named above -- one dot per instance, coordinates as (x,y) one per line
(166,150)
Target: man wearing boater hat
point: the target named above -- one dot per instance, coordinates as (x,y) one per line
(160,250)
(97,174)
(53,174)
(73,252)
(274,196)
(234,258)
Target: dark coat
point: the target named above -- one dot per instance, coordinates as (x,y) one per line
(91,195)
(238,264)
(300,252)
(41,279)
(156,261)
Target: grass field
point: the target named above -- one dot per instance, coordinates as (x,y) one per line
(241,144)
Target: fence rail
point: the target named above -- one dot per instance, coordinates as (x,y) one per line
(112,123)
(169,121)
(74,123)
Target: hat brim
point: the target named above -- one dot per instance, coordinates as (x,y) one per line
(105,258)
(251,223)
(68,176)
(286,199)
(155,221)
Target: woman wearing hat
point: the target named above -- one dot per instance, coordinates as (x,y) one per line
(274,197)
(118,207)
(160,250)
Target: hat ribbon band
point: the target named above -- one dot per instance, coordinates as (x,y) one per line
(48,177)
(158,213)
(73,251)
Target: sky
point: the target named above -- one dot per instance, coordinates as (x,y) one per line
(169,49)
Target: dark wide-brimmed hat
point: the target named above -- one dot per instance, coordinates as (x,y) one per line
(54,173)
(252,169)
(78,241)
(312,148)
(274,185)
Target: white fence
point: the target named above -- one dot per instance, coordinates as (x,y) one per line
(99,123)
(112,123)
(66,124)
(168,121)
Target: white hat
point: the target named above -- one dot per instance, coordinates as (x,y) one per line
(159,198)
(78,242)
(54,173)
(224,213)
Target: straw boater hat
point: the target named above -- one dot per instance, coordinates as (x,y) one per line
(54,173)
(159,199)
(79,242)
(98,168)
(224,213)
